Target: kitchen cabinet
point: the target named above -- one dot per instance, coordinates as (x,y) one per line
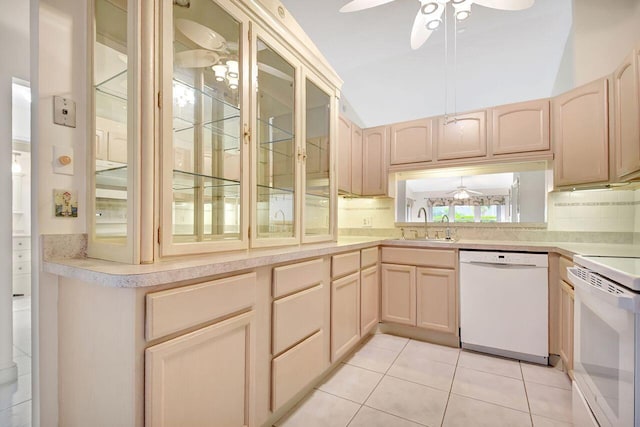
(520,128)
(462,136)
(580,128)
(369,290)
(419,288)
(374,160)
(566,326)
(297,340)
(344,155)
(357,162)
(345,303)
(626,113)
(205,374)
(247,124)
(411,142)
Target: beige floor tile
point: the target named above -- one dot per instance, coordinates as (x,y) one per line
(417,369)
(464,412)
(351,382)
(491,364)
(550,402)
(546,375)
(539,421)
(320,409)
(410,401)
(390,342)
(372,358)
(369,417)
(490,388)
(438,353)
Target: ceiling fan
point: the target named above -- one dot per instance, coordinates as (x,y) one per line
(215,52)
(430,13)
(462,192)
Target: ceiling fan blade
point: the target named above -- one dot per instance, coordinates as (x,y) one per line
(196,58)
(420,33)
(201,35)
(356,5)
(506,4)
(274,72)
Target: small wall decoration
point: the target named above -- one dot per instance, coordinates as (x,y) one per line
(65,203)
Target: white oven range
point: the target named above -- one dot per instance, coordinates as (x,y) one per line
(607,337)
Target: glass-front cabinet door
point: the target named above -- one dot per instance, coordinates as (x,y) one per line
(276,209)
(318,176)
(204,119)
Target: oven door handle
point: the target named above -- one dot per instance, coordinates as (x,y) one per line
(622,300)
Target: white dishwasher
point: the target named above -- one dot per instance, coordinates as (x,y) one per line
(504,304)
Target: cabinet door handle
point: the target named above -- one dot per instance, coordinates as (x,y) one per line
(247,133)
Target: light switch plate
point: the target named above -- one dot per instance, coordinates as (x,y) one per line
(64,111)
(60,156)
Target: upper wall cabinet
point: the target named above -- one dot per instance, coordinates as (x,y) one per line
(344,155)
(627,117)
(241,116)
(581,135)
(462,137)
(374,160)
(520,128)
(411,142)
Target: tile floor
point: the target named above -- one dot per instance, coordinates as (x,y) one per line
(397,382)
(15,398)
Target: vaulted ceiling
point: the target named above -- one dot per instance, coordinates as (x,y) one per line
(502,57)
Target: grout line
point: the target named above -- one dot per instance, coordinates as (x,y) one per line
(446,405)
(490,403)
(395,415)
(525,393)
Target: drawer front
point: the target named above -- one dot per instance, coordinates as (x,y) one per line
(295,277)
(296,317)
(442,258)
(564,263)
(23,267)
(369,257)
(177,309)
(21,255)
(21,243)
(295,369)
(344,264)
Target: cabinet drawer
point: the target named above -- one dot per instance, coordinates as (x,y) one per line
(443,258)
(369,257)
(21,243)
(21,255)
(296,317)
(296,368)
(177,309)
(344,264)
(564,263)
(295,277)
(23,267)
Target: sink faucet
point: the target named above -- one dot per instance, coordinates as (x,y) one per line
(421,210)
(447,233)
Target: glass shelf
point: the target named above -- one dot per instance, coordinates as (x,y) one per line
(186,181)
(115,86)
(112,178)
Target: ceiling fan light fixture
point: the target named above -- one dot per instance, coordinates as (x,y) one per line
(233,72)
(220,72)
(233,83)
(462,14)
(461,194)
(433,24)
(429,8)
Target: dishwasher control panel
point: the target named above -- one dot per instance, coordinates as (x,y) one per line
(505,258)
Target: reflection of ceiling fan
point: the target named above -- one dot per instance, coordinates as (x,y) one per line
(430,12)
(463,192)
(216,52)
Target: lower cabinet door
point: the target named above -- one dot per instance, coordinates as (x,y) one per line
(201,378)
(369,297)
(437,300)
(566,325)
(345,314)
(399,294)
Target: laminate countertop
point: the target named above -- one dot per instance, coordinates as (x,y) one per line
(179,269)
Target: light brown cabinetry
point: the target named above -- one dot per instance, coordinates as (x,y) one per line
(580,128)
(520,128)
(411,142)
(566,326)
(419,288)
(462,137)
(627,117)
(356,159)
(345,303)
(349,157)
(374,160)
(369,290)
(204,374)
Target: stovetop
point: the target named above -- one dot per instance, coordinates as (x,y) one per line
(624,270)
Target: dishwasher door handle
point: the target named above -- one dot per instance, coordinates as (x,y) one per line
(495,265)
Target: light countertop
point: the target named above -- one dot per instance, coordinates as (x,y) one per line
(191,267)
